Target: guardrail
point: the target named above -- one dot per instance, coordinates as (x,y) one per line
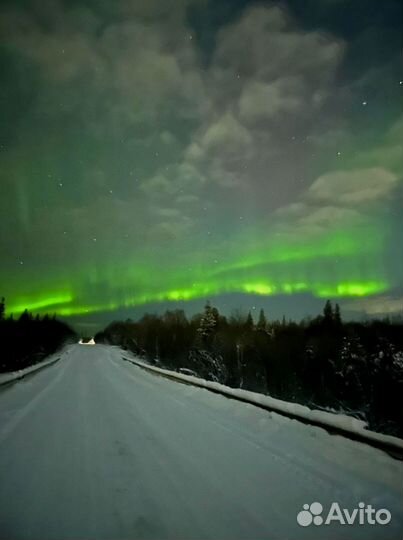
(332,423)
(14,376)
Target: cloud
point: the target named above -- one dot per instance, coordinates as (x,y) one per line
(268,76)
(353,187)
(157,9)
(138,75)
(379,305)
(226,134)
(220,144)
(266,43)
(172,230)
(387,152)
(261,101)
(327,217)
(159,186)
(174,194)
(161,142)
(168,138)
(337,201)
(302,223)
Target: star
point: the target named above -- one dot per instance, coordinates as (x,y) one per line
(365,103)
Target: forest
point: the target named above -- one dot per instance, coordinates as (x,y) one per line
(350,367)
(29,339)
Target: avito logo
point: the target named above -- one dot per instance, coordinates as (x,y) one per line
(364,514)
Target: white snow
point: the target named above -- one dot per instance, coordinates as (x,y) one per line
(342,422)
(19,374)
(94,447)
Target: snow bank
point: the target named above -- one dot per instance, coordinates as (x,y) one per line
(15,375)
(345,425)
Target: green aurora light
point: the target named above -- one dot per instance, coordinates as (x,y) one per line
(70,306)
(341,262)
(128,182)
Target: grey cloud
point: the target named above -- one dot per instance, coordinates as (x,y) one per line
(266,74)
(138,82)
(379,305)
(180,184)
(353,187)
(260,101)
(226,137)
(387,153)
(265,41)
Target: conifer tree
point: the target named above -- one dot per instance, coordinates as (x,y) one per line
(249,324)
(328,311)
(208,323)
(337,315)
(262,322)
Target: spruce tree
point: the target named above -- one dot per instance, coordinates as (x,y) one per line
(328,311)
(337,315)
(208,323)
(249,324)
(262,322)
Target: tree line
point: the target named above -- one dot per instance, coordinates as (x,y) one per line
(28,339)
(323,362)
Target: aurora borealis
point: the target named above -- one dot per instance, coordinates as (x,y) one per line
(156,152)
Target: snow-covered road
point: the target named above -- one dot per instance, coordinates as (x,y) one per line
(93,447)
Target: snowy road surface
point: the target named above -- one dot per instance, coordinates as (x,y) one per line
(93,447)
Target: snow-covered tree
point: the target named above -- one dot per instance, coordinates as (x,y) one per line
(208,323)
(353,368)
(208,365)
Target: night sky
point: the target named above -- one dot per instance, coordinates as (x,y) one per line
(158,153)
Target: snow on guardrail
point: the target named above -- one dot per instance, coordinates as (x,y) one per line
(340,423)
(11,376)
